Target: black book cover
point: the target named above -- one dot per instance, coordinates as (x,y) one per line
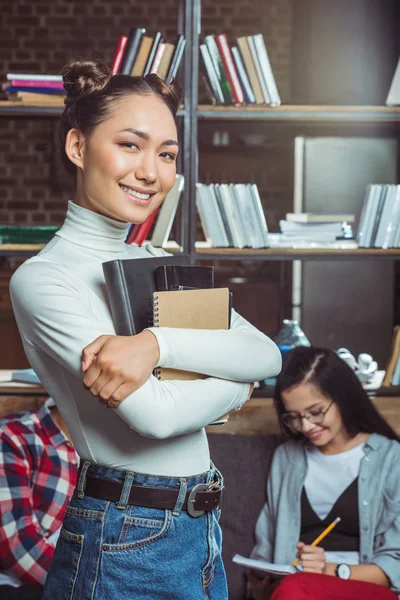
(171,277)
(130,285)
(157,40)
(131,50)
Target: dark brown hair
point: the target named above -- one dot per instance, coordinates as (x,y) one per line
(333,376)
(91,91)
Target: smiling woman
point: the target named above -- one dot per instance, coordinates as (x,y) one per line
(143,521)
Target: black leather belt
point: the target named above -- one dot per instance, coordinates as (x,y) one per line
(203,497)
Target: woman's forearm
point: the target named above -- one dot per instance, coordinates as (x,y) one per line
(369,573)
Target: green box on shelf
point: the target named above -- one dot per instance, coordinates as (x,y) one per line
(15,234)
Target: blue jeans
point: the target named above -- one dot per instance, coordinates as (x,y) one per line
(114,551)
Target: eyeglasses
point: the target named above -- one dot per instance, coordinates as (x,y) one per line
(294,420)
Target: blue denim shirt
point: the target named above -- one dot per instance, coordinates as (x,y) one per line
(278,526)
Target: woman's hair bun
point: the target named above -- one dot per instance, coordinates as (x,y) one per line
(83,77)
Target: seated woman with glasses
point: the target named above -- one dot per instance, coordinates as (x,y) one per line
(342,460)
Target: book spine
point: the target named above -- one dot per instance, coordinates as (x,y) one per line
(176,59)
(155,323)
(30,77)
(244,80)
(37,83)
(144,228)
(219,68)
(158,57)
(152,54)
(266,69)
(257,64)
(230,69)
(36,90)
(214,84)
(131,50)
(250,68)
(117,294)
(119,55)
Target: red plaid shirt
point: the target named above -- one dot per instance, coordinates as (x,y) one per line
(38,469)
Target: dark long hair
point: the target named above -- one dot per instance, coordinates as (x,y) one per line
(91,92)
(333,376)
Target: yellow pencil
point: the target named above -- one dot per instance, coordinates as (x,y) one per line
(320,537)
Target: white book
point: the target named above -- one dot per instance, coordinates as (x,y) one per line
(214,190)
(387,208)
(393,97)
(310,229)
(232,216)
(258,67)
(266,69)
(212,75)
(240,202)
(167,213)
(319,218)
(263,565)
(370,192)
(203,219)
(260,216)
(370,215)
(36,77)
(212,216)
(394,222)
(247,204)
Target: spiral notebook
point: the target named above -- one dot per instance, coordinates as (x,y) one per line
(191,309)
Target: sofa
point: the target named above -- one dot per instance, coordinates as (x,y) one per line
(244,461)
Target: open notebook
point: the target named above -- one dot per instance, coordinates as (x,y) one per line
(263,565)
(191,309)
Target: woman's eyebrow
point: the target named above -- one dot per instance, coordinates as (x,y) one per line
(145,136)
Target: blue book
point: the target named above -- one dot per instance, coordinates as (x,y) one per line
(36,90)
(25,376)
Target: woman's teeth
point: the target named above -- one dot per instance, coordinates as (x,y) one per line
(135,194)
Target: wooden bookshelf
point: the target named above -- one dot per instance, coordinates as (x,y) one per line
(317,113)
(297,254)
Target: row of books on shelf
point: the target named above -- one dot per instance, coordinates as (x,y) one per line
(241,74)
(232,215)
(392,375)
(380,217)
(136,54)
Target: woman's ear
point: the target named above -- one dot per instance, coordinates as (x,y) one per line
(75,147)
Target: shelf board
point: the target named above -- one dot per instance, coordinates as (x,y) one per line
(321,113)
(297,254)
(19,109)
(20,250)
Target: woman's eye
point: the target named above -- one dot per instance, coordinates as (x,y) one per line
(168,155)
(130,145)
(317,412)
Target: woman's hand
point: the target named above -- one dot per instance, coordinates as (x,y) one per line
(116,366)
(261,589)
(312,558)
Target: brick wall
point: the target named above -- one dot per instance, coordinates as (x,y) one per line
(42,35)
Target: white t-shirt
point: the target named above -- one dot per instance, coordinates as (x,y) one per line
(328,476)
(61,305)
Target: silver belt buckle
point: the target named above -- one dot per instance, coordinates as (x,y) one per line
(201,487)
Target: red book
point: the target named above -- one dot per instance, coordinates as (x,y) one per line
(230,69)
(138,234)
(34,83)
(119,54)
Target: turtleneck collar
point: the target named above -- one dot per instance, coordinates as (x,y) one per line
(92,230)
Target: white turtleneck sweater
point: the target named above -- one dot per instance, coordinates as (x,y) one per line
(60,303)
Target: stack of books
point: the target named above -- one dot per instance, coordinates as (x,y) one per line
(35,89)
(312,230)
(15,234)
(392,375)
(232,215)
(380,217)
(239,75)
(139,54)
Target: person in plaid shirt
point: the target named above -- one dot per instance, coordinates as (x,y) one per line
(38,471)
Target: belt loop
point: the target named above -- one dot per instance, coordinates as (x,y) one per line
(181,498)
(126,490)
(80,486)
(211,473)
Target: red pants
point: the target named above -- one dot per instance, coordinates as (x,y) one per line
(310,586)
